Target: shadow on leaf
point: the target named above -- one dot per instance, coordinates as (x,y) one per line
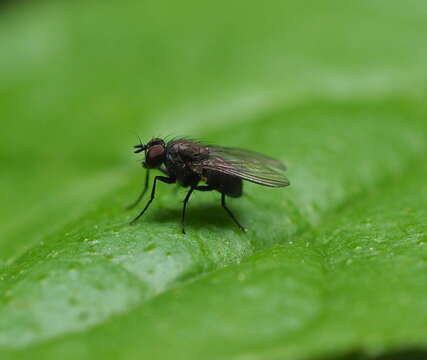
(410,354)
(199,216)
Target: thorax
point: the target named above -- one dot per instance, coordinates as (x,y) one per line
(181,161)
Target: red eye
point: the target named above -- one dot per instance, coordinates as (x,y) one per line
(155,156)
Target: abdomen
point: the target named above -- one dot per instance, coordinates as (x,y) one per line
(225,184)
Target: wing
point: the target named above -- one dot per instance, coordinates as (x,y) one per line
(246,165)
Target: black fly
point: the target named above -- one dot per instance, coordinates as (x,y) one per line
(220,168)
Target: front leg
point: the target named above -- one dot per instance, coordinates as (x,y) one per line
(142,193)
(167,180)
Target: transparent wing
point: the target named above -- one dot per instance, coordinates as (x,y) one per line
(247,165)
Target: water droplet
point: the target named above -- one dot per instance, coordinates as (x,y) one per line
(53,254)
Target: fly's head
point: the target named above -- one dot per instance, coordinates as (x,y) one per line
(155,152)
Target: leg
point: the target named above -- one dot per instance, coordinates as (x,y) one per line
(166,180)
(230,213)
(187,197)
(204,188)
(144,190)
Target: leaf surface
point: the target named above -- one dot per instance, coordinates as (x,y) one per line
(331,265)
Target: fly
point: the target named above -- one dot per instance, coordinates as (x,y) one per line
(223,169)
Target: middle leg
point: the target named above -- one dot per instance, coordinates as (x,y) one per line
(187,197)
(184,208)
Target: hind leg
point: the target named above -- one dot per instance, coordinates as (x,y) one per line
(230,213)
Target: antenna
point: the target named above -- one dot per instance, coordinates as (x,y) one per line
(140,147)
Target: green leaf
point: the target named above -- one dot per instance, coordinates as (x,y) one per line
(332,265)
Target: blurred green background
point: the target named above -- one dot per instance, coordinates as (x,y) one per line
(333,266)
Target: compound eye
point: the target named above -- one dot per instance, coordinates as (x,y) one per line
(155,156)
